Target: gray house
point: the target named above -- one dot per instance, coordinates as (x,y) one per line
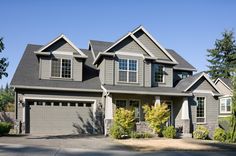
(61,89)
(226,89)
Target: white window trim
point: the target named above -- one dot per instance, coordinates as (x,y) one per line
(60,77)
(163,77)
(127,80)
(204,110)
(225,104)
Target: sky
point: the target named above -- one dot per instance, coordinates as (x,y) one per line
(188,27)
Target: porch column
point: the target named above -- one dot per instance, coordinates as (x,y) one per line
(157,100)
(108,114)
(185,116)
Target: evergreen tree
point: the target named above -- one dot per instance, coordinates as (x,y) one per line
(222,58)
(233,115)
(3,61)
(7,88)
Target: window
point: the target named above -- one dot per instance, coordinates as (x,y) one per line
(225,105)
(120,103)
(61,68)
(183,75)
(127,70)
(200,109)
(158,73)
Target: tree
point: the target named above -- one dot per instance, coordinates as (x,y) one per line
(3,61)
(157,116)
(233,115)
(222,58)
(6,98)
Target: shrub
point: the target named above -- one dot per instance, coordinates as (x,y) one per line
(123,123)
(201,132)
(169,132)
(5,128)
(224,123)
(117,132)
(219,135)
(156,116)
(138,135)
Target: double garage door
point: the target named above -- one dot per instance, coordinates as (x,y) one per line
(59,117)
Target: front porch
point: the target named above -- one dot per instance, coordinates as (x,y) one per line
(178,105)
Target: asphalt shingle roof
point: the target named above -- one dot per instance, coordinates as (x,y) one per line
(27,73)
(100,46)
(228,82)
(185,83)
(144,90)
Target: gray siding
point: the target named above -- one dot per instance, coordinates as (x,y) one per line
(177,111)
(140,70)
(61,45)
(147,74)
(129,45)
(211,111)
(45,67)
(203,84)
(109,71)
(102,71)
(223,89)
(168,77)
(154,49)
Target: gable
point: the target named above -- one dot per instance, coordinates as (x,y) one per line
(60,45)
(223,89)
(202,84)
(129,45)
(151,46)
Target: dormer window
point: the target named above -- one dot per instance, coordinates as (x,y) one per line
(61,68)
(159,73)
(127,70)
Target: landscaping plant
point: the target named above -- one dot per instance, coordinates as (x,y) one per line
(123,123)
(5,128)
(138,135)
(169,132)
(219,135)
(201,132)
(156,116)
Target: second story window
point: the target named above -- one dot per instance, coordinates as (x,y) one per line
(61,68)
(159,73)
(127,70)
(225,105)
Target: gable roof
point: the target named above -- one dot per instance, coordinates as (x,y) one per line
(39,51)
(99,46)
(28,69)
(183,64)
(225,81)
(187,83)
(135,39)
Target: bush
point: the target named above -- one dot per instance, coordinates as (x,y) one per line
(5,128)
(117,132)
(224,123)
(201,132)
(156,116)
(219,135)
(138,135)
(123,123)
(169,132)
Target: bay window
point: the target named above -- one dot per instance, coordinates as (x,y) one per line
(158,73)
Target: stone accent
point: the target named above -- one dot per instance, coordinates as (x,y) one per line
(107,126)
(142,126)
(186,126)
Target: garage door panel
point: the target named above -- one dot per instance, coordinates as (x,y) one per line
(61,119)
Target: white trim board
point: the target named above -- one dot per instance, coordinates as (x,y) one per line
(62,36)
(207,78)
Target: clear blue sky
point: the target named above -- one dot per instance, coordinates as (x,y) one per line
(188,26)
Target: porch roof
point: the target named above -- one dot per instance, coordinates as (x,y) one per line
(145,90)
